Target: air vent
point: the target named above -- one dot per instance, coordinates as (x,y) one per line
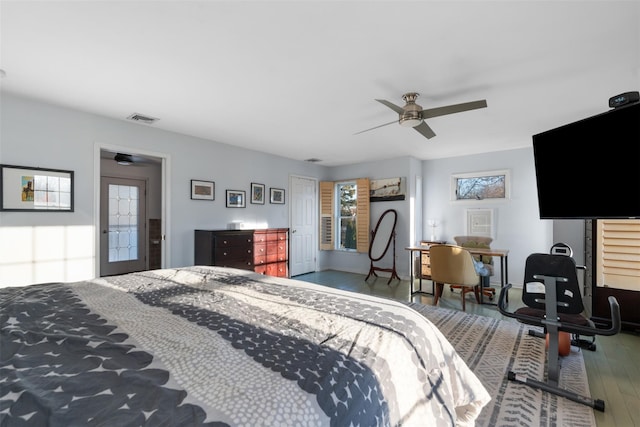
(136,117)
(313,160)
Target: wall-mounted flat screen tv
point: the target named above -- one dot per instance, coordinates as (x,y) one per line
(590,169)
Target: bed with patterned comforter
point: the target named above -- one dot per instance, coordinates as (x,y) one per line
(215,346)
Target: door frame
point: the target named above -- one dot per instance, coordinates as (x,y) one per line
(164,194)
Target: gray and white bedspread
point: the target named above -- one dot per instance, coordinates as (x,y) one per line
(215,347)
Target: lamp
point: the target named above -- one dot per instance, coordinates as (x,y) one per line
(433,224)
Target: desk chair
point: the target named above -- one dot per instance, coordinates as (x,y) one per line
(553,301)
(479,242)
(454,265)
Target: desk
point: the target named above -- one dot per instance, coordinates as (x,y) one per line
(503,254)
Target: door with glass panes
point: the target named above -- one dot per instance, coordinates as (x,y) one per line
(122,226)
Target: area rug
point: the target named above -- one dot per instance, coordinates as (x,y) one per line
(492,347)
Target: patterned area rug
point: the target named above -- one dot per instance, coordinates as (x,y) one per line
(491,348)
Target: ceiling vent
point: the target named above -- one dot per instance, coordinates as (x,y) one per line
(136,117)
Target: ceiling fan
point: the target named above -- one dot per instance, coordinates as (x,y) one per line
(412,114)
(130,160)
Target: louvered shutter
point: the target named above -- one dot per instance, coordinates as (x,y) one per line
(362,216)
(326,215)
(618,257)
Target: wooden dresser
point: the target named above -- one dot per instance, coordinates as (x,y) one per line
(265,251)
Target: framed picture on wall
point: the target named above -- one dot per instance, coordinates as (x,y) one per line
(257,193)
(277,196)
(203,190)
(30,189)
(236,198)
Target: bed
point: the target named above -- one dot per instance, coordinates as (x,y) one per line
(215,346)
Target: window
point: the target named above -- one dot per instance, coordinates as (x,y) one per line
(347,208)
(480,185)
(344,215)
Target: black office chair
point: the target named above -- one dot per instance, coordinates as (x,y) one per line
(551,294)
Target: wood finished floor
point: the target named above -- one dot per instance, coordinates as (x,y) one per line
(613,370)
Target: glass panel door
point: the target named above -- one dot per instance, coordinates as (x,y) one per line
(123,230)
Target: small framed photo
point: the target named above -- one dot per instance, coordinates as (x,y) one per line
(277,196)
(236,198)
(257,193)
(203,190)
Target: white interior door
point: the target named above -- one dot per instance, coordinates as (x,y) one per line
(123,246)
(304,230)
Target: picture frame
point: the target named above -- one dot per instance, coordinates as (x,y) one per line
(203,190)
(257,193)
(387,189)
(276,196)
(34,189)
(236,198)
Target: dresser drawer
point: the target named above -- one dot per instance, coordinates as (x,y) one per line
(233,253)
(227,240)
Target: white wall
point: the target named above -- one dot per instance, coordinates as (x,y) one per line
(60,246)
(518,225)
(406,167)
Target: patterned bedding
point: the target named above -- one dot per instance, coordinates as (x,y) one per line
(215,346)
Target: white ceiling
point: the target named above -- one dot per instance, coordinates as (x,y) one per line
(298,79)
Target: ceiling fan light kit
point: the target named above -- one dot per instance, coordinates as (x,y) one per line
(123,159)
(412,115)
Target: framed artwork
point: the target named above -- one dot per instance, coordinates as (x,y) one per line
(203,190)
(257,193)
(388,189)
(236,198)
(277,196)
(30,189)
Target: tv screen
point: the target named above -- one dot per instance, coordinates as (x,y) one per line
(590,169)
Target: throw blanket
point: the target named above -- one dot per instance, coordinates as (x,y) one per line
(216,347)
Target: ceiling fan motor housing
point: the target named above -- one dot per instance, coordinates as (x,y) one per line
(412,114)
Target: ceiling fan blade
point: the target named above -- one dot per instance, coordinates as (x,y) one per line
(450,109)
(394,107)
(425,130)
(386,124)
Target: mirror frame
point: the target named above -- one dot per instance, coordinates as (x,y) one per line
(376,230)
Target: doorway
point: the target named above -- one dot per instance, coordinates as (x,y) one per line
(134,219)
(304,230)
